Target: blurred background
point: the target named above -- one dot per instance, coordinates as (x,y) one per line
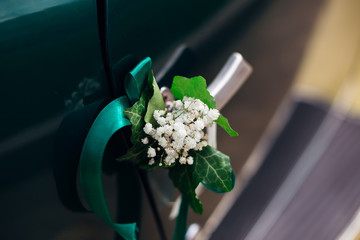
(296,156)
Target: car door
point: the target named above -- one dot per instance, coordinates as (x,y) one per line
(56,57)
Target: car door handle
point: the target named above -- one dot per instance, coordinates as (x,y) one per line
(229,80)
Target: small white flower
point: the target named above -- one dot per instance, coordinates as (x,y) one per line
(206,110)
(182,160)
(188,117)
(179,132)
(168,129)
(171,152)
(178,104)
(178,126)
(179,119)
(195,113)
(198,147)
(160,131)
(163,142)
(187,103)
(161,121)
(197,135)
(190,143)
(151,152)
(198,105)
(178,145)
(169,160)
(156,114)
(151,161)
(208,121)
(189,129)
(148,127)
(169,117)
(199,124)
(213,114)
(190,160)
(145,140)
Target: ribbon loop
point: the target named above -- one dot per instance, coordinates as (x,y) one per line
(109,121)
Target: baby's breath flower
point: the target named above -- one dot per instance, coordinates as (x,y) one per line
(148,127)
(178,104)
(168,129)
(156,114)
(187,103)
(169,160)
(178,145)
(160,131)
(161,121)
(182,160)
(163,142)
(179,130)
(169,117)
(171,152)
(190,142)
(151,152)
(213,114)
(199,124)
(145,140)
(196,135)
(207,121)
(152,161)
(190,160)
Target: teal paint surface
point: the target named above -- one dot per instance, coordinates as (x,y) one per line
(44,55)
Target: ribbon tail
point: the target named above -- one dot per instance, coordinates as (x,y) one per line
(181,220)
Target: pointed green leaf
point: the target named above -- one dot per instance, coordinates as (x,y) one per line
(213,168)
(192,87)
(184,179)
(224,123)
(136,116)
(156,102)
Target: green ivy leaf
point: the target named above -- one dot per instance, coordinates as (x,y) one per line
(224,123)
(136,116)
(213,168)
(156,102)
(192,87)
(196,87)
(184,179)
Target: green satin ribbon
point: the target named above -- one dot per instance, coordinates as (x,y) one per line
(137,79)
(109,121)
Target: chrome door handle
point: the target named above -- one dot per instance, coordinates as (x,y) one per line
(229,80)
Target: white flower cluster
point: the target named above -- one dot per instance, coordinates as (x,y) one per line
(179,129)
